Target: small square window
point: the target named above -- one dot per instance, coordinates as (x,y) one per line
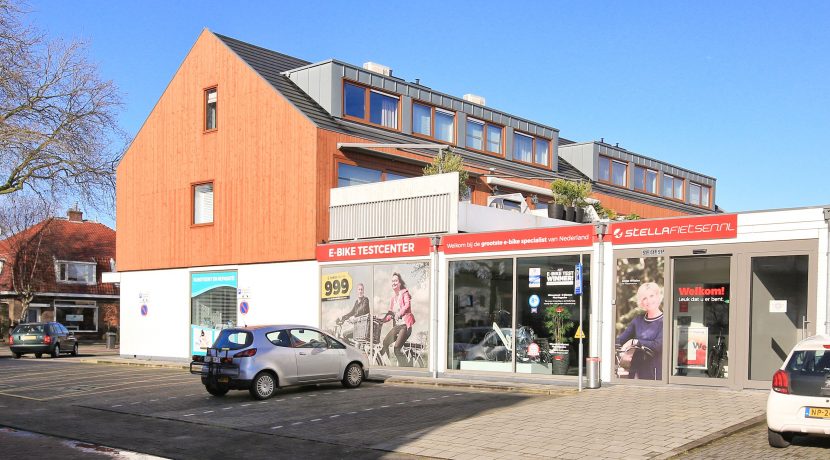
(210,109)
(203,203)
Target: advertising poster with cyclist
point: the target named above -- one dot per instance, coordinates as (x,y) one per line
(382,309)
(639,319)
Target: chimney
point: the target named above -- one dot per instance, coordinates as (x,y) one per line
(75,214)
(475,99)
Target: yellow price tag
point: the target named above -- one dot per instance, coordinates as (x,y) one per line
(336,286)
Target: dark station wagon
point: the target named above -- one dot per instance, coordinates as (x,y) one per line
(38,338)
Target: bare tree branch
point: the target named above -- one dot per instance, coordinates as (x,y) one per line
(59,134)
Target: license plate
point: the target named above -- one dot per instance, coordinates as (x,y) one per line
(29,337)
(224,379)
(817,412)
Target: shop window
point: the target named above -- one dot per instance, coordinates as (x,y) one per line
(77,316)
(547,306)
(203,203)
(382,107)
(700,317)
(75,272)
(613,171)
(672,187)
(212,307)
(644,180)
(392,328)
(699,195)
(211,109)
(481,315)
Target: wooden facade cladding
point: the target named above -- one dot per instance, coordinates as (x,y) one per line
(624,207)
(261,159)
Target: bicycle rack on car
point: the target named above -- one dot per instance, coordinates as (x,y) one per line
(214,364)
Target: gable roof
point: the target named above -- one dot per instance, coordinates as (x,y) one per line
(67,241)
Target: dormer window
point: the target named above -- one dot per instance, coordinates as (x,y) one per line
(531,149)
(672,187)
(613,171)
(699,195)
(434,123)
(75,272)
(382,107)
(483,136)
(644,179)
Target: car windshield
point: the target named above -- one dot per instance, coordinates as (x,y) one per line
(233,339)
(29,329)
(809,371)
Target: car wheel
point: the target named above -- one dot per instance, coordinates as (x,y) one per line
(353,376)
(777,439)
(38,355)
(56,351)
(216,389)
(17,355)
(263,385)
(75,349)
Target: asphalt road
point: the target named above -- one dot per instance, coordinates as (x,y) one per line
(167,412)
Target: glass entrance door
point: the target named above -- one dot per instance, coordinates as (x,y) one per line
(779,316)
(700,326)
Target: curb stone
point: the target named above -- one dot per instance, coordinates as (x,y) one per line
(708,439)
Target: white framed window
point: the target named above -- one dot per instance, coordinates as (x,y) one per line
(75,272)
(211,98)
(203,203)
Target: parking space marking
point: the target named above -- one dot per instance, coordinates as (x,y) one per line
(280,400)
(350,413)
(297,423)
(334,416)
(208,412)
(401,404)
(118,405)
(227,408)
(89,393)
(316,419)
(383,407)
(188,415)
(276,427)
(134,403)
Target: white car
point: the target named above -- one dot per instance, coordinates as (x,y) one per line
(799,402)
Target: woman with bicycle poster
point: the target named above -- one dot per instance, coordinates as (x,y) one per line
(640,319)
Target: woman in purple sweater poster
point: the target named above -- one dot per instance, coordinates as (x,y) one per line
(645,335)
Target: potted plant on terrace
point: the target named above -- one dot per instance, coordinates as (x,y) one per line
(571,195)
(558,321)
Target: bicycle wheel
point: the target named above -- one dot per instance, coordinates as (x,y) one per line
(713,366)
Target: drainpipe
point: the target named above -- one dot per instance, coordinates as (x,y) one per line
(595,344)
(827,274)
(436,242)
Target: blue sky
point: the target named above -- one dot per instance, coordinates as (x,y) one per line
(734,90)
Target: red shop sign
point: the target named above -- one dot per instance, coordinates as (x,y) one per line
(538,238)
(386,249)
(678,229)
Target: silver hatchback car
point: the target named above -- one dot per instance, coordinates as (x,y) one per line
(261,359)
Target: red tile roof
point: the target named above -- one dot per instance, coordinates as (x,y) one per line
(69,241)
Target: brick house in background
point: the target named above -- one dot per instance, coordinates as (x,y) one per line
(65,258)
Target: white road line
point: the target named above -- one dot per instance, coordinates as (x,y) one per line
(276,427)
(430,398)
(207,412)
(191,394)
(153,400)
(137,402)
(334,416)
(447,396)
(264,402)
(458,394)
(327,393)
(401,404)
(245,405)
(297,423)
(227,408)
(297,397)
(316,420)
(189,415)
(383,407)
(280,400)
(350,413)
(118,405)
(367,409)
(416,400)
(172,397)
